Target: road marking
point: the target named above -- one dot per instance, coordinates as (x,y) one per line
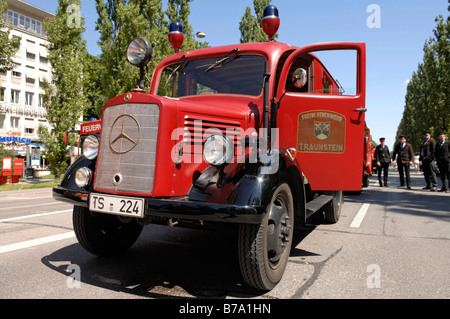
(35,242)
(360,216)
(34,215)
(28,206)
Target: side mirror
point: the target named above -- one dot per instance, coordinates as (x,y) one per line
(299,78)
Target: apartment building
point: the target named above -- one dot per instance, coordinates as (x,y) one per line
(21,106)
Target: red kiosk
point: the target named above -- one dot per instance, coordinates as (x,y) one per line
(6,169)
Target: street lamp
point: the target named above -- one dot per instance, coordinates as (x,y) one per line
(200,34)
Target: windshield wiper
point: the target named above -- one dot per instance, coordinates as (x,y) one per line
(221,61)
(175,70)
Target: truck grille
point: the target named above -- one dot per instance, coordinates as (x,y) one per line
(127,154)
(200,129)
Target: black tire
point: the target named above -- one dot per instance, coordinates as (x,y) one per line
(333,209)
(102,234)
(264,249)
(366,181)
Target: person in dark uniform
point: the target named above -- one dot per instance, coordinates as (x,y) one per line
(383,160)
(427,157)
(443,161)
(404,156)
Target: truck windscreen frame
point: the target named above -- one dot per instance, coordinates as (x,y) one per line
(240,74)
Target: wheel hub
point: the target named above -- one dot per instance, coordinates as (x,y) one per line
(278,231)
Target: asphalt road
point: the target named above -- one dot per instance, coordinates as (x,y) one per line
(389,243)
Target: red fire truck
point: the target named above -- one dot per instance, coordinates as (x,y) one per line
(248,134)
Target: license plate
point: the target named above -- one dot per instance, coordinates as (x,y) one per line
(117,205)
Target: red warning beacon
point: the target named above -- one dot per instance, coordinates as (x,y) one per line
(176,36)
(271,21)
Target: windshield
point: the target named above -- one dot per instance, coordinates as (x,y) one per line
(237,74)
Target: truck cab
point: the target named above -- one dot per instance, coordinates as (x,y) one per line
(247,134)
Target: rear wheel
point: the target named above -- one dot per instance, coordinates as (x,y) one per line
(264,249)
(333,209)
(103,234)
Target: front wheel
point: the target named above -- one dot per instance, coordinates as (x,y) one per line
(103,234)
(264,249)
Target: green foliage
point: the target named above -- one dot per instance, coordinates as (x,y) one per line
(250,26)
(119,22)
(64,97)
(9,46)
(427,102)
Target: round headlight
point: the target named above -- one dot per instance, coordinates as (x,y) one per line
(90,147)
(218,150)
(83,177)
(139,52)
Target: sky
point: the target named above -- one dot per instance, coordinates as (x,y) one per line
(394,40)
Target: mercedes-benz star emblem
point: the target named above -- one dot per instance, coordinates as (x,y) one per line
(132,140)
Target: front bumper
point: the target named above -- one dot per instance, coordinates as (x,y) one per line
(181,208)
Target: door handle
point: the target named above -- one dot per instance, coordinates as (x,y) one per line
(361,110)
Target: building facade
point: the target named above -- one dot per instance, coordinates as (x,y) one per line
(21,104)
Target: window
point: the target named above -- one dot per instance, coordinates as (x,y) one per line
(16,71)
(15,123)
(16,19)
(29,126)
(30,75)
(27,23)
(240,74)
(2,122)
(2,94)
(15,96)
(41,100)
(29,99)
(24,22)
(19,42)
(10,17)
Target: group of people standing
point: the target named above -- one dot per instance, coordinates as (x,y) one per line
(430,152)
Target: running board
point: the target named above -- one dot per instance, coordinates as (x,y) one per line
(316,204)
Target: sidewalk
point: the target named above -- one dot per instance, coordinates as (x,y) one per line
(29,183)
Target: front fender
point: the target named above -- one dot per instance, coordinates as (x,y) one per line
(68,190)
(241,184)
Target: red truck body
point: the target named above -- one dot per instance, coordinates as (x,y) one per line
(249,134)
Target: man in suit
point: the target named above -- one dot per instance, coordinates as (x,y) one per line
(404,156)
(427,157)
(383,159)
(443,160)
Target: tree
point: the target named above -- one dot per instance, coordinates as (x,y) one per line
(119,22)
(9,46)
(427,101)
(250,26)
(64,98)
(179,10)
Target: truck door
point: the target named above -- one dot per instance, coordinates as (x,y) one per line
(324,123)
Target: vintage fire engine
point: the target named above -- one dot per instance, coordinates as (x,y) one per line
(248,134)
